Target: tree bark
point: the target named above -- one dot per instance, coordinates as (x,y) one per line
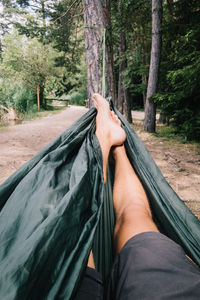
(144,82)
(124,95)
(120,98)
(42,99)
(145,62)
(163,118)
(110,78)
(38,97)
(127,105)
(1,51)
(97,17)
(150,107)
(43,13)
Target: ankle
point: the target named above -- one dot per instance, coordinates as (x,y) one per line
(119,151)
(104,138)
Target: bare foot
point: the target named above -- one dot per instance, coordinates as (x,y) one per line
(108,126)
(108,129)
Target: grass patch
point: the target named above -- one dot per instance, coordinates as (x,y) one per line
(165,131)
(32,115)
(170,134)
(43,113)
(3,128)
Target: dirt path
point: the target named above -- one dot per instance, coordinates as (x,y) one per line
(20,142)
(180,163)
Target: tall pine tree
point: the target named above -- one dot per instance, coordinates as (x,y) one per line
(150,107)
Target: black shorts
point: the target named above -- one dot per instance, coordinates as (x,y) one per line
(149,267)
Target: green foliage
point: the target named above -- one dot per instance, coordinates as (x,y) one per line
(187,122)
(54,84)
(134,19)
(179,96)
(28,63)
(78,98)
(24,100)
(26,60)
(47,21)
(184,113)
(52,55)
(167,132)
(71,80)
(17,96)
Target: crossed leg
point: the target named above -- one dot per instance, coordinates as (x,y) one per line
(132,210)
(149,260)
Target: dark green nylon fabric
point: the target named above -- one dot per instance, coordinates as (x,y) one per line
(56,207)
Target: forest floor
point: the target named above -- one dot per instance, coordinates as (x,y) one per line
(179,163)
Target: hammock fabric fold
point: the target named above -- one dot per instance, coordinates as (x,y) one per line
(56,207)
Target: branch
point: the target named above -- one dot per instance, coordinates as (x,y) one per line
(75,1)
(81,14)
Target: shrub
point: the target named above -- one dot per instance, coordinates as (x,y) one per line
(182,111)
(18,97)
(23,100)
(78,98)
(187,122)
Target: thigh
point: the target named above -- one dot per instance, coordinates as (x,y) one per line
(151,266)
(91,286)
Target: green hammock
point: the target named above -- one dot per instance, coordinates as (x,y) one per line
(56,207)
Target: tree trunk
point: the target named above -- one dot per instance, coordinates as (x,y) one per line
(145,61)
(43,13)
(110,78)
(162,118)
(97,17)
(1,51)
(42,100)
(150,107)
(120,98)
(144,82)
(122,67)
(127,105)
(38,97)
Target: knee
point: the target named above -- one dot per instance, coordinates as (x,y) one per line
(133,212)
(134,219)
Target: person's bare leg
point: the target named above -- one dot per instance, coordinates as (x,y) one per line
(109,133)
(108,129)
(91,261)
(132,210)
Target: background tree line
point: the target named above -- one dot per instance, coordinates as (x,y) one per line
(47,48)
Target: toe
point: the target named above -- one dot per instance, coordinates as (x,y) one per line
(100,102)
(112,115)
